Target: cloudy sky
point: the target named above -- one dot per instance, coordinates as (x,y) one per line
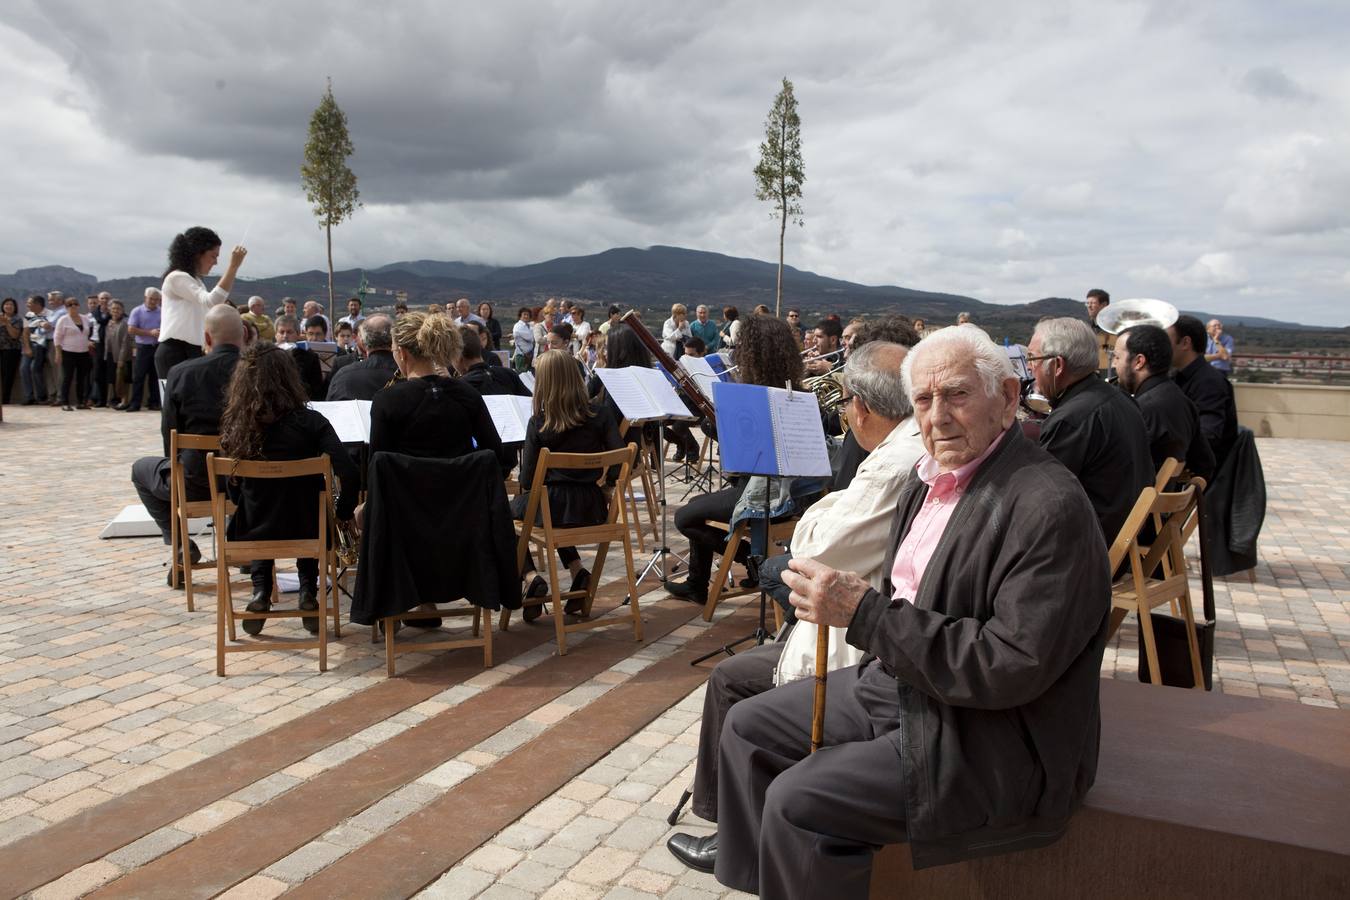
(1195,151)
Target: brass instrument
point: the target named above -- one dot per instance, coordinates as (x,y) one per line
(347,542)
(830,393)
(1125,314)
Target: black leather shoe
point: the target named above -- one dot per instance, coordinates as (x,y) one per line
(261,602)
(695,852)
(577,605)
(683,590)
(309,601)
(538,589)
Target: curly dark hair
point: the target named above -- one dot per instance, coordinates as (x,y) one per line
(767,354)
(264,387)
(187,247)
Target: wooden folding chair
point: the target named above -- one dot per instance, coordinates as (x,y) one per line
(547,537)
(232,553)
(183,510)
(779,533)
(1157,572)
(640,470)
(482,622)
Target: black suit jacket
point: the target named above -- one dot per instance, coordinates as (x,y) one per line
(1098,434)
(1212,395)
(195,399)
(489,380)
(311,372)
(363,380)
(1174,426)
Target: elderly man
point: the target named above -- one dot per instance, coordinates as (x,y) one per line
(1094,429)
(845,529)
(973,726)
(1219,348)
(143,325)
(314,311)
(258,318)
(1143,357)
(194,401)
(705,329)
(1207,387)
(464,314)
(362,380)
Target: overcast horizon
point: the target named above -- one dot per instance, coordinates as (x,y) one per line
(1197,152)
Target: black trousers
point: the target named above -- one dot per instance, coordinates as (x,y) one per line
(143,370)
(566,555)
(704,540)
(75,370)
(98,376)
(261,574)
(771,582)
(747,674)
(150,476)
(9,373)
(171,352)
(797,824)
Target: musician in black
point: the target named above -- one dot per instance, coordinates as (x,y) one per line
(1142,358)
(306,361)
(362,380)
(767,355)
(474,370)
(564,421)
(266,417)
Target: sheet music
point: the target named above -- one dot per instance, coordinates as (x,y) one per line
(662,393)
(799,436)
(528,378)
(628,393)
(349,418)
(510,415)
(701,371)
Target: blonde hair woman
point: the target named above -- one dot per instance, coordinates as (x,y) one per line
(676,330)
(564,421)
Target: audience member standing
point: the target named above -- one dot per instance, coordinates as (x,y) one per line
(522,340)
(37,329)
(354,315)
(11,346)
(74,354)
(98,311)
(493,326)
(705,329)
(464,314)
(258,318)
(144,329)
(192,255)
(676,331)
(1219,348)
(118,351)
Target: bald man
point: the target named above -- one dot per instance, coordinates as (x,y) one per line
(194,399)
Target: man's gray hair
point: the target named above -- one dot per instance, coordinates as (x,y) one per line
(1072,340)
(152,292)
(287,322)
(376,333)
(872,376)
(968,342)
(254,299)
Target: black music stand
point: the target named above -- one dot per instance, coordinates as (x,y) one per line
(761,632)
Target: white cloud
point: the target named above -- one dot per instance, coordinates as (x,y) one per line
(1209,270)
(1295,184)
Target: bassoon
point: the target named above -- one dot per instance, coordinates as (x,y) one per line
(687,385)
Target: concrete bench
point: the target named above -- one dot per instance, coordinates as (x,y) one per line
(1197,795)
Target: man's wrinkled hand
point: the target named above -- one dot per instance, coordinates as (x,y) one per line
(822,595)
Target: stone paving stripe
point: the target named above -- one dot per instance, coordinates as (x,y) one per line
(254,840)
(48,854)
(419,849)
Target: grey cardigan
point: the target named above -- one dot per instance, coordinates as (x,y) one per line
(997,659)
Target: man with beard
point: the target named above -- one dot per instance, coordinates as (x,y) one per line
(1143,356)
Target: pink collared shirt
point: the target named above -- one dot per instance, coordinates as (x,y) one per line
(944,492)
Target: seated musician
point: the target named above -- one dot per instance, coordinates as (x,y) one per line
(623,349)
(306,361)
(972,726)
(767,355)
(475,371)
(266,417)
(193,401)
(564,421)
(844,530)
(362,379)
(1142,358)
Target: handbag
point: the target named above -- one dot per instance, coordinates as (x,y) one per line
(1169,632)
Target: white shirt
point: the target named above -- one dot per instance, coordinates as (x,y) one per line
(580,332)
(850,530)
(670,333)
(523,335)
(183,312)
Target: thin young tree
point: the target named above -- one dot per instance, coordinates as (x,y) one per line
(780,172)
(329,184)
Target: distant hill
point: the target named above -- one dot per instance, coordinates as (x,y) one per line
(650,280)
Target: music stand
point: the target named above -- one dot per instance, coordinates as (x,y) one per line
(761,632)
(657,562)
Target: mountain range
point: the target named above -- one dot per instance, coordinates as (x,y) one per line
(649,279)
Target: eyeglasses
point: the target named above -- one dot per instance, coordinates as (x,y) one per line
(1032,359)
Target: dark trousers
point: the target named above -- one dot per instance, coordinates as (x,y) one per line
(171,352)
(566,555)
(771,582)
(98,376)
(261,574)
(75,371)
(736,678)
(150,476)
(143,370)
(9,372)
(704,540)
(797,824)
(33,372)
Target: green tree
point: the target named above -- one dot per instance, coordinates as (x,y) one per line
(780,172)
(329,184)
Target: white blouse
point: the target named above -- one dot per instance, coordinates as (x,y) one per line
(670,333)
(185,303)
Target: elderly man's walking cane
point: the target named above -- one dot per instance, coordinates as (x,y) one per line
(818,712)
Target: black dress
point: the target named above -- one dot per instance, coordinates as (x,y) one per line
(574,497)
(434,417)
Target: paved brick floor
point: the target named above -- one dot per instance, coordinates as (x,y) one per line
(107,686)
